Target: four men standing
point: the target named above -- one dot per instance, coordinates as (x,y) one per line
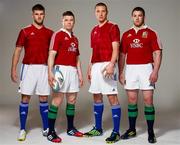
(140,48)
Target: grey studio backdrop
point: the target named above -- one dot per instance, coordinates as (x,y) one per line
(161,15)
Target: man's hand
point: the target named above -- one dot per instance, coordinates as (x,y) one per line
(122,79)
(14,76)
(153,77)
(51,79)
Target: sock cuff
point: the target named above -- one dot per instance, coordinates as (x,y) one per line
(115,107)
(24,104)
(70,106)
(53,108)
(132,106)
(43,104)
(98,104)
(149,108)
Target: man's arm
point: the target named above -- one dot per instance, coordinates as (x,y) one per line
(51,58)
(15,60)
(157,57)
(89,69)
(121,63)
(110,67)
(79,69)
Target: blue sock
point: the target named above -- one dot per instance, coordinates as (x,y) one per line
(116,115)
(98,111)
(23,112)
(43,106)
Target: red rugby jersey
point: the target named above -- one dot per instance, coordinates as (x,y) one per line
(101,41)
(36,44)
(66,45)
(139,46)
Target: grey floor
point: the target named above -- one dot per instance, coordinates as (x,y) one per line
(167,128)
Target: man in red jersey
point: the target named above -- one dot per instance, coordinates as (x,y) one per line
(35,39)
(141,48)
(102,71)
(64,57)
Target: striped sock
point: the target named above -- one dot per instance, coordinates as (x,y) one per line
(132,115)
(150,116)
(70,111)
(98,111)
(43,107)
(52,115)
(116,116)
(23,112)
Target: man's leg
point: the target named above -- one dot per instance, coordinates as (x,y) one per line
(149,112)
(57,99)
(98,111)
(70,113)
(23,112)
(116,117)
(43,107)
(132,113)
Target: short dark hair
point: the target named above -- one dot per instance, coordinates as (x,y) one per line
(38,7)
(101,4)
(68,13)
(138,9)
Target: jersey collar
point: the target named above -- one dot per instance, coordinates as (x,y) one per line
(136,30)
(64,30)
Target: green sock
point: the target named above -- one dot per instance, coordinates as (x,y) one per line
(150,116)
(132,115)
(70,111)
(52,115)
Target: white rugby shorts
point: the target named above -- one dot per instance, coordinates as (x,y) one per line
(71,79)
(34,80)
(137,77)
(100,84)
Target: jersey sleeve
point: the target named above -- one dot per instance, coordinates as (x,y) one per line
(115,33)
(21,39)
(155,42)
(78,53)
(123,46)
(55,41)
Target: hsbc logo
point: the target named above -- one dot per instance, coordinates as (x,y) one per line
(136,44)
(72,47)
(136,40)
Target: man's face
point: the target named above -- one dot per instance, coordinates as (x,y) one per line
(101,13)
(68,22)
(138,18)
(38,16)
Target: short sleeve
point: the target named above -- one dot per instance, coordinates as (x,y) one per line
(54,45)
(115,33)
(123,46)
(155,42)
(21,39)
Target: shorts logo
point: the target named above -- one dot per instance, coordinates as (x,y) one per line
(136,44)
(145,34)
(72,48)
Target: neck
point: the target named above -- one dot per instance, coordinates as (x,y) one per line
(102,23)
(38,26)
(138,27)
(69,30)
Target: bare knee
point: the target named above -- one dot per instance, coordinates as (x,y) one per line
(98,98)
(43,98)
(113,100)
(25,99)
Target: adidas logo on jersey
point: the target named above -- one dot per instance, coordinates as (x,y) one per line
(66,38)
(32,33)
